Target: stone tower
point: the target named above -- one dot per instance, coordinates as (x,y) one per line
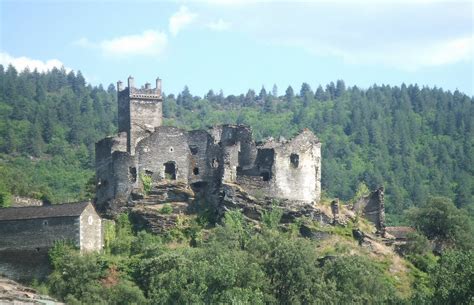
(139,111)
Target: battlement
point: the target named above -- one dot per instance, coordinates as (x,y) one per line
(145,92)
(139,110)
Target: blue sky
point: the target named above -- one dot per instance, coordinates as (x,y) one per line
(235,45)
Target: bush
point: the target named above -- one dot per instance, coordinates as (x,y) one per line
(166,209)
(271,219)
(453,278)
(442,222)
(360,281)
(147,182)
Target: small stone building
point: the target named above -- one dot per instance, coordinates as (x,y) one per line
(27,234)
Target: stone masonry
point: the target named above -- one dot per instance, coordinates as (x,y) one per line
(204,160)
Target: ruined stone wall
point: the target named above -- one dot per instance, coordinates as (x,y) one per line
(91,234)
(238,149)
(123,178)
(255,186)
(166,144)
(105,175)
(297,170)
(199,167)
(24,244)
(372,208)
(123,102)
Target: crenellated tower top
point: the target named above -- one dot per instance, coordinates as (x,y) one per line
(139,110)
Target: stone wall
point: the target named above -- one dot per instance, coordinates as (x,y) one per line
(297,169)
(24,244)
(145,116)
(91,234)
(166,147)
(372,207)
(288,170)
(18,202)
(200,167)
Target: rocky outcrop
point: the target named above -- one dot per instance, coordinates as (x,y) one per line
(164,192)
(12,292)
(158,211)
(232,196)
(153,219)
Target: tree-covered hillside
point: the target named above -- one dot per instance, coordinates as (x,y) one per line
(49,123)
(415,141)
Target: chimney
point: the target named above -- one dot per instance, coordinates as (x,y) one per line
(131,82)
(158,85)
(119,86)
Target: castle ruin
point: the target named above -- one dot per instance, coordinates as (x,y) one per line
(204,160)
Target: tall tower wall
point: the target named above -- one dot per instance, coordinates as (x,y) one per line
(139,111)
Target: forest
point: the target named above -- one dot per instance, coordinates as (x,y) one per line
(416,142)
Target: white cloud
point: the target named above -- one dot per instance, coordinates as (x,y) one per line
(402,56)
(449,52)
(20,63)
(219,25)
(84,43)
(405,37)
(180,20)
(150,43)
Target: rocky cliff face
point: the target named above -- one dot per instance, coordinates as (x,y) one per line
(12,292)
(159,210)
(232,196)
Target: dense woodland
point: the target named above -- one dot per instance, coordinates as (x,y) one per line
(417,142)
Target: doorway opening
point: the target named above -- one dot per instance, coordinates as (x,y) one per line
(170,170)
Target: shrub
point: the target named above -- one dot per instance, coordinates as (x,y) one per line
(166,209)
(147,182)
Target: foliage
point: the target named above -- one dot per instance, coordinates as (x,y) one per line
(87,279)
(442,222)
(49,123)
(147,182)
(239,264)
(109,234)
(5,197)
(291,267)
(166,209)
(362,191)
(271,219)
(453,278)
(359,280)
(123,236)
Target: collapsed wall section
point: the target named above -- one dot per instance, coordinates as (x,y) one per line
(372,208)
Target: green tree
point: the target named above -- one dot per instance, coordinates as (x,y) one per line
(289,95)
(442,222)
(453,278)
